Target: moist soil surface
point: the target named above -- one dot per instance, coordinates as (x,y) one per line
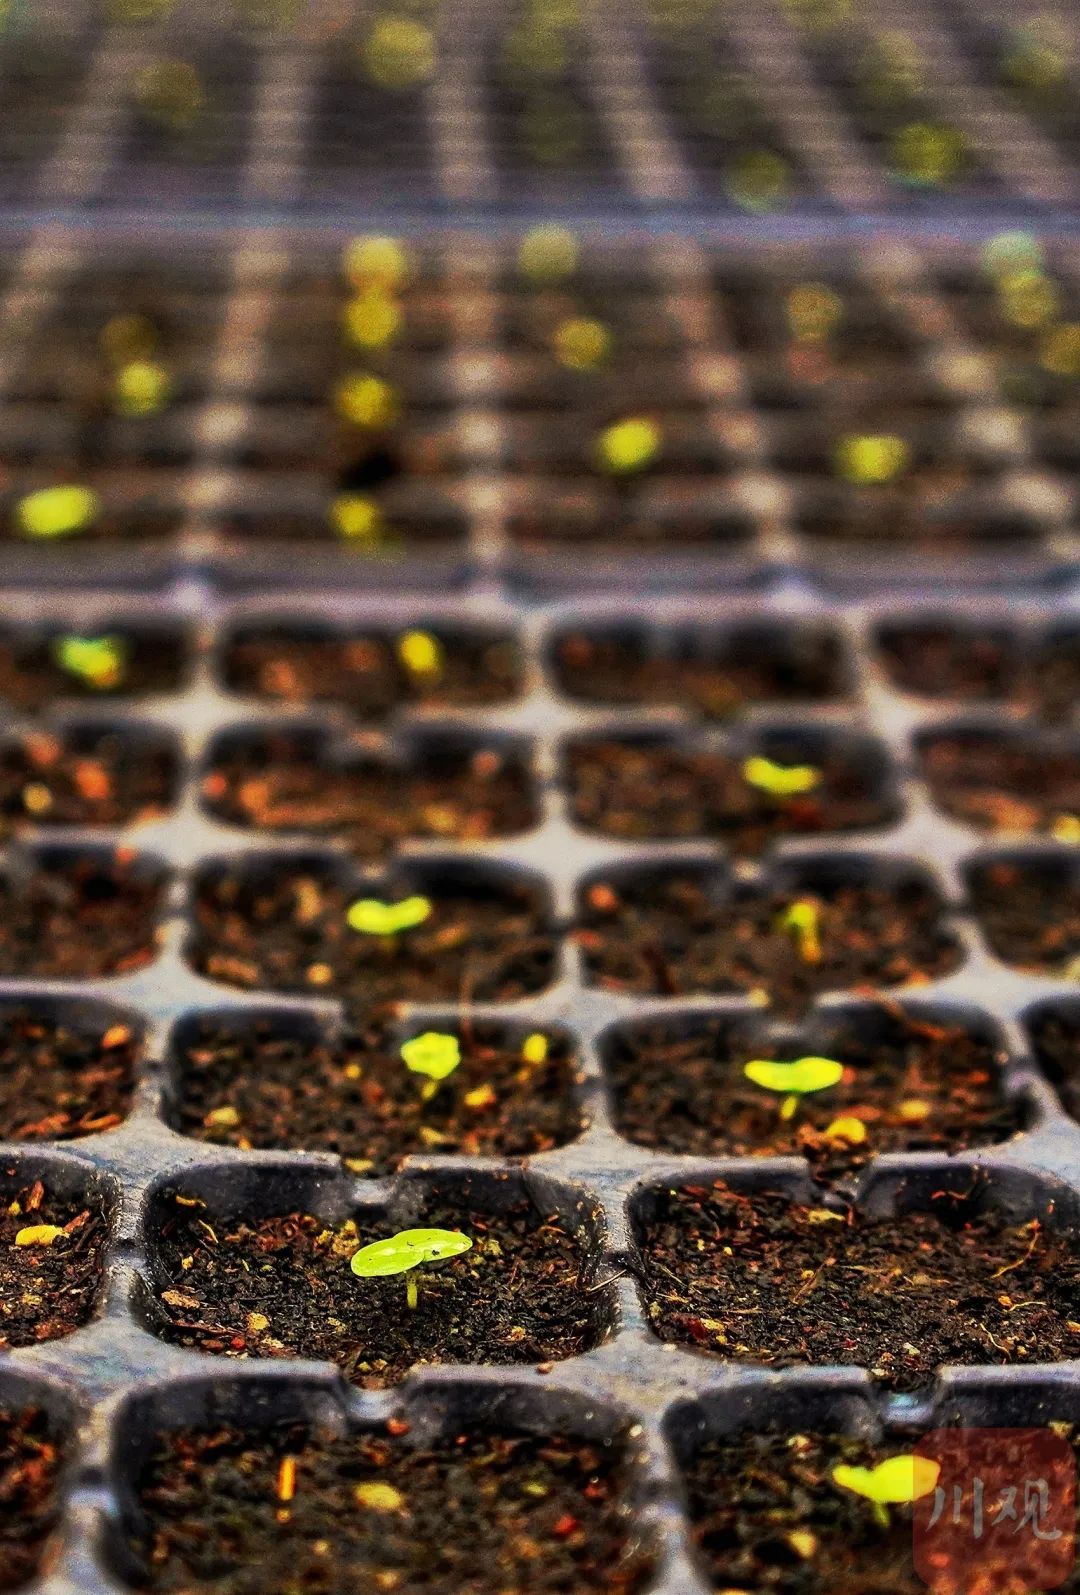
(676,935)
(1056,1034)
(29,1472)
(31,674)
(281,1286)
(46,1291)
(639,791)
(997,784)
(1030,915)
(758,1278)
(913,1085)
(58,1082)
(758,1502)
(90,778)
(281,782)
(950,662)
(715,681)
(254,1087)
(481,1512)
(286,928)
(365,673)
(81,919)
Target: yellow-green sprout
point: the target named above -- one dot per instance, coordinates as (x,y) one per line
(1011,252)
(760,180)
(357,518)
(399,53)
(367,401)
(534,1049)
(780,780)
(803,920)
(871,459)
(793,1080)
(141,387)
(1059,349)
(57,511)
(421,654)
(371,917)
(170,93)
(628,446)
(547,255)
(813,312)
(896,1481)
(1028,298)
(376,263)
(581,343)
(98,662)
(372,319)
(406,1250)
(434,1054)
(927,154)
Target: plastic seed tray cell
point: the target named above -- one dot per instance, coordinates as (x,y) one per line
(205,1108)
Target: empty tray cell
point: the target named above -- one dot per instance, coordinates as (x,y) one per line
(32,1455)
(189,127)
(43,73)
(640,788)
(259,1279)
(1029,910)
(295,924)
(606,314)
(53,507)
(1054,1028)
(408,441)
(835,925)
(66,1069)
(572,377)
(715,673)
(114,658)
(957,1275)
(54,1231)
(372,673)
(382,1509)
(1034,65)
(937,658)
(68,914)
(276,1081)
(370,132)
(82,441)
(457,786)
(934,515)
(694,511)
(537,87)
(1002,781)
(87,776)
(913,1080)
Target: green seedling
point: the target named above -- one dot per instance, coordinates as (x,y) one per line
(97,662)
(434,1055)
(897,1481)
(371,917)
(780,780)
(406,1250)
(547,255)
(421,654)
(57,511)
(803,921)
(793,1080)
(629,446)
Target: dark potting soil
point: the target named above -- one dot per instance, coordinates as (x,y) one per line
(48,1288)
(675,934)
(257,1087)
(999,784)
(286,928)
(760,1278)
(30,1462)
(481,1512)
(714,679)
(147,662)
(58,1082)
(912,1084)
(1056,1034)
(767,1516)
(365,673)
(281,1286)
(86,778)
(1030,913)
(941,661)
(78,919)
(635,791)
(282,781)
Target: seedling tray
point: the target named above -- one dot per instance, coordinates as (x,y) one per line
(114,1386)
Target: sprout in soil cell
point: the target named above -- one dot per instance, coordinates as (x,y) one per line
(141,387)
(582,343)
(399,53)
(1059,349)
(803,921)
(780,780)
(871,460)
(356,518)
(793,1080)
(534,1049)
(372,319)
(759,180)
(401,1253)
(38,1235)
(98,662)
(433,1054)
(57,511)
(376,263)
(547,255)
(420,653)
(813,311)
(371,917)
(366,401)
(897,1481)
(628,446)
